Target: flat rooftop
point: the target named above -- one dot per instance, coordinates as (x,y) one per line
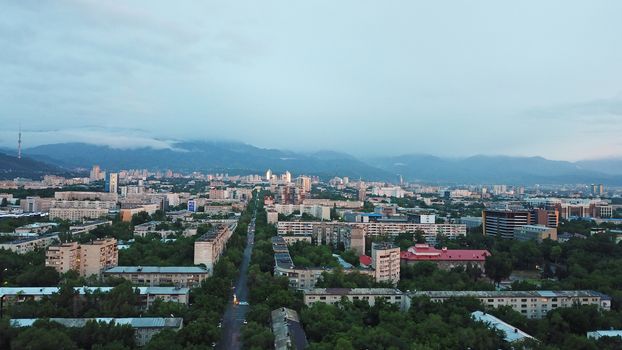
(353,291)
(509,294)
(43,291)
(510,333)
(157,269)
(134,322)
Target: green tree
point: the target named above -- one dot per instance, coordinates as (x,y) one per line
(498,266)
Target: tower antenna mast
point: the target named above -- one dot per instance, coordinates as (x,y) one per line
(19,143)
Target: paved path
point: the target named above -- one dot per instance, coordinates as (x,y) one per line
(235,315)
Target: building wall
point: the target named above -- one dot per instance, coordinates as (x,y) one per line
(86,259)
(386,262)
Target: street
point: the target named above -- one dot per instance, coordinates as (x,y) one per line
(235,315)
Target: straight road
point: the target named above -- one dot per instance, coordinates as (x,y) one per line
(235,315)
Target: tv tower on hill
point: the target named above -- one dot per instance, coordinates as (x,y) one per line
(19,143)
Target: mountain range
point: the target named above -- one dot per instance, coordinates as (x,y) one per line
(239,158)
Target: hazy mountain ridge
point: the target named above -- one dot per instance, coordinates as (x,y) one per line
(12,167)
(240,158)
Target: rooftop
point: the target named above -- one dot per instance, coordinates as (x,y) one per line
(288,333)
(34,238)
(510,333)
(41,291)
(157,269)
(510,293)
(423,252)
(134,322)
(353,291)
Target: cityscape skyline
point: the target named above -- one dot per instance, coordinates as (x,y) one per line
(379,80)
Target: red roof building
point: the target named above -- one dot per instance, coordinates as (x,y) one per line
(445,258)
(365,260)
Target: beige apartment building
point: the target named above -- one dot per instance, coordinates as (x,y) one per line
(385,260)
(209,247)
(28,244)
(327,231)
(181,276)
(370,295)
(85,196)
(86,259)
(532,304)
(77,214)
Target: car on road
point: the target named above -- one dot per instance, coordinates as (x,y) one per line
(243,302)
(245,322)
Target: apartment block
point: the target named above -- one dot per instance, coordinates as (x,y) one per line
(209,247)
(29,244)
(182,276)
(532,304)
(385,260)
(127,213)
(148,295)
(77,214)
(327,231)
(144,327)
(370,295)
(86,259)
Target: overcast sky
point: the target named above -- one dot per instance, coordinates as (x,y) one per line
(450,78)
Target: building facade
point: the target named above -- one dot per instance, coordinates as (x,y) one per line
(209,247)
(86,259)
(385,261)
(181,276)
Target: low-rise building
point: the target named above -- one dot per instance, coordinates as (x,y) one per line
(183,276)
(604,333)
(369,295)
(37,227)
(531,304)
(535,233)
(144,327)
(88,226)
(291,239)
(29,244)
(148,295)
(511,334)
(287,330)
(300,277)
(127,213)
(77,214)
(444,258)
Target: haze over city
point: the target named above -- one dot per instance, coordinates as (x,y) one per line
(367,78)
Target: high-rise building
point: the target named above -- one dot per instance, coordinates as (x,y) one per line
(597,189)
(362,194)
(96,173)
(304,182)
(112,182)
(269,175)
(385,262)
(287,177)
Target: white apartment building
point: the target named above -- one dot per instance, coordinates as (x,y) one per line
(532,304)
(370,295)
